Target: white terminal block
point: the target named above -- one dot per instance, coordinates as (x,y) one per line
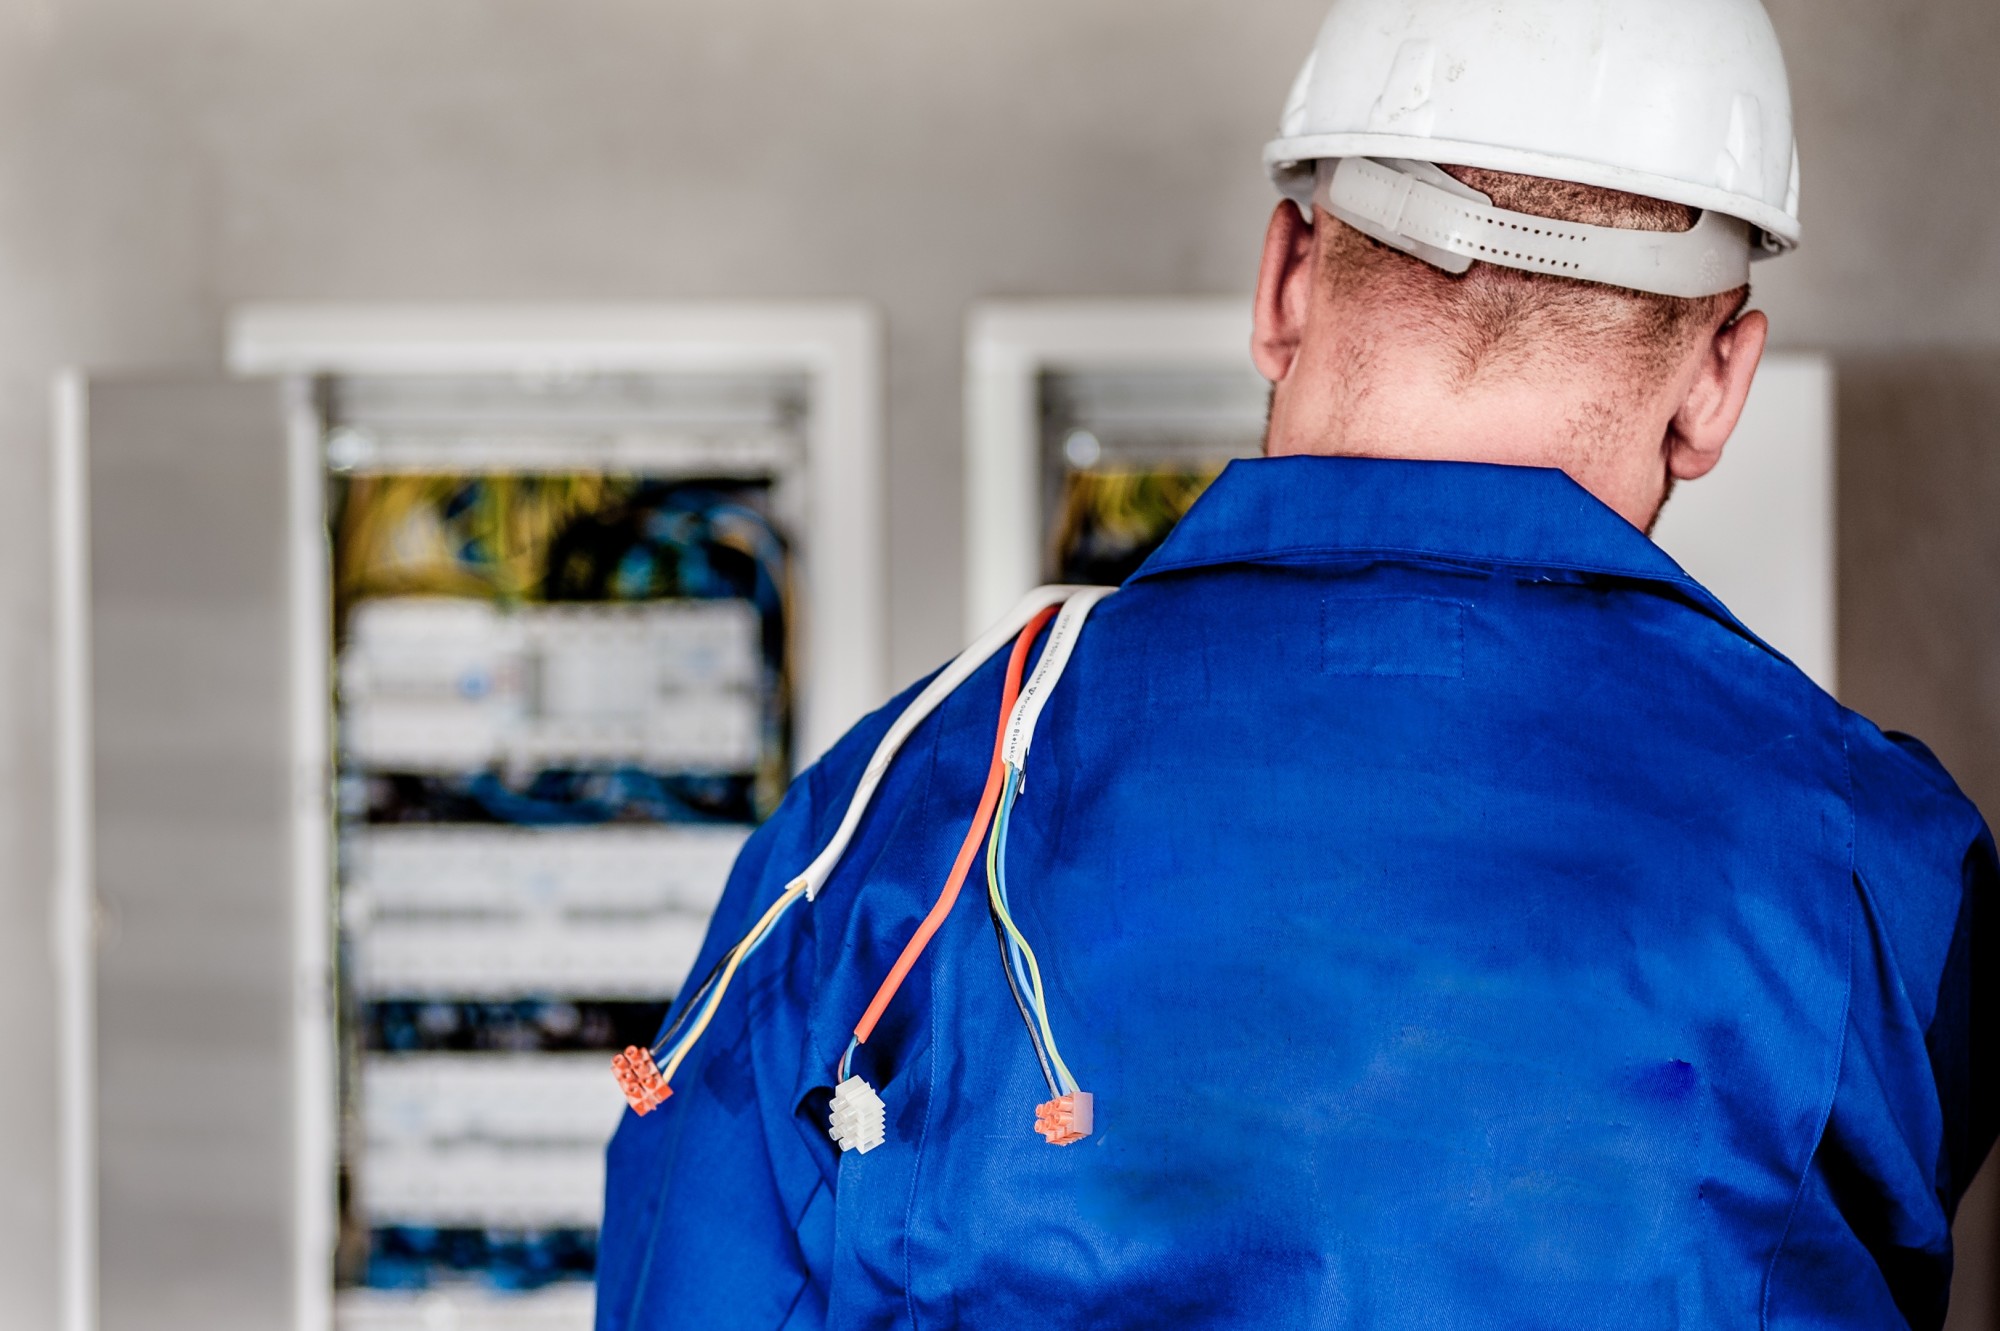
(858,1120)
(441,684)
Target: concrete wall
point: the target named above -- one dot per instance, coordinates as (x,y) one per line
(159,162)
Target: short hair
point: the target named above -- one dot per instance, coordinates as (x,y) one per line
(1493,317)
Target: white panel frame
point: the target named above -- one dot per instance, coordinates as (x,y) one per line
(72,912)
(842,616)
(1008,346)
(1759,531)
(837,344)
(315,1074)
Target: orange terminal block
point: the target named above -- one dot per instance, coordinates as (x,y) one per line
(1065,1119)
(640,1079)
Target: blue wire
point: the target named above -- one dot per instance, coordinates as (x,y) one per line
(770,553)
(847,1060)
(1002,821)
(715,995)
(1015,958)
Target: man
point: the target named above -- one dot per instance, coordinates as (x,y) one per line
(1455,917)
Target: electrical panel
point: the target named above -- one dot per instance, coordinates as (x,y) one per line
(1126,452)
(563,695)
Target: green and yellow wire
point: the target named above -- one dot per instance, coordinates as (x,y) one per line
(1022,952)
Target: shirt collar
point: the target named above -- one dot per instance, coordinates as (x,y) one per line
(1314,509)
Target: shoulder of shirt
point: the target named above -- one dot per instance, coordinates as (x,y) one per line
(818,796)
(1913,831)
(1898,780)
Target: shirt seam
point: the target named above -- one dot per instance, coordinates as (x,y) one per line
(805,1272)
(1677,577)
(1963,835)
(1840,1056)
(1879,923)
(1704,600)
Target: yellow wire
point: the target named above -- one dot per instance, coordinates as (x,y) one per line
(1131,506)
(742,949)
(512,525)
(1034,970)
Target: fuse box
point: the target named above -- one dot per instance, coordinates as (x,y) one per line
(563,695)
(437,662)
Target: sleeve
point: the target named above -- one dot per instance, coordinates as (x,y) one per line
(1915,1111)
(1933,893)
(1962,1029)
(718,1205)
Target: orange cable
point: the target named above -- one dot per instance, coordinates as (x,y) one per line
(1017,665)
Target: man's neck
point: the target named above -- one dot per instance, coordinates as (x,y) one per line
(1413,407)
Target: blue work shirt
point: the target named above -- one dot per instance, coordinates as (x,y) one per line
(1458,917)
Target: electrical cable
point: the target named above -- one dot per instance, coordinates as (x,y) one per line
(1001,909)
(942,686)
(996,887)
(785,902)
(646,1079)
(1019,964)
(694,1000)
(996,777)
(720,974)
(1020,1003)
(1003,905)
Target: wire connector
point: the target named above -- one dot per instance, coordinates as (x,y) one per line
(639,1077)
(1065,1119)
(859,1120)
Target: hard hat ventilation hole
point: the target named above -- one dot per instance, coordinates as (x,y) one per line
(1401,205)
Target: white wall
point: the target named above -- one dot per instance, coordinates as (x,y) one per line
(162,160)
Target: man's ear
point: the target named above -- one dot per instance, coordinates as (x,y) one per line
(1715,400)
(1284,292)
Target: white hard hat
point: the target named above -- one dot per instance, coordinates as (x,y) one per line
(1682,100)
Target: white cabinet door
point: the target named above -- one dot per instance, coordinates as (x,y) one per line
(194,785)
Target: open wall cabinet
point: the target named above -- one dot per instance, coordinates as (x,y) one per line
(435,667)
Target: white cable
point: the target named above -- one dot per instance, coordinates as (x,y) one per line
(1055,659)
(940,688)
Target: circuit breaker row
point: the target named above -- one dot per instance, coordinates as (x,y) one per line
(438,684)
(473,912)
(450,914)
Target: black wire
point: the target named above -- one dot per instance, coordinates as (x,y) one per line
(1007,969)
(667,1036)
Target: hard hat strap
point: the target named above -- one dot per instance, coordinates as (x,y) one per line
(1416,208)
